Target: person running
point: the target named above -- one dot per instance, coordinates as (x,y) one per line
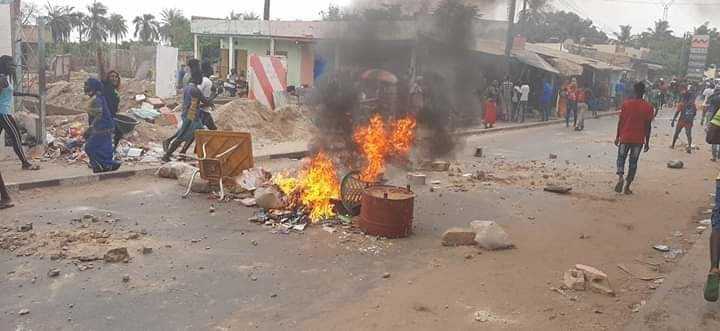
(5,201)
(7,100)
(633,132)
(99,146)
(192,118)
(712,285)
(686,111)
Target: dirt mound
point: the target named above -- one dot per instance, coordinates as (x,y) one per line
(70,94)
(289,123)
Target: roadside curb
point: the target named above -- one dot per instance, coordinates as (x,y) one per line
(523,126)
(93,178)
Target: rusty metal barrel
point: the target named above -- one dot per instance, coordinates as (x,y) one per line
(387,211)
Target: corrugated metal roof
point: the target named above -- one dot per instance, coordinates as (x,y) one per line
(577,59)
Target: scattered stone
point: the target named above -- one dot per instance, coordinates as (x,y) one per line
(253,278)
(53,273)
(274,295)
(415,178)
(117,255)
(248,202)
(89,218)
(489,235)
(147,250)
(662,248)
(25,227)
(558,189)
(705,222)
(24,311)
(268,198)
(212,209)
(254,243)
(675,164)
(597,280)
(574,279)
(553,156)
(482,316)
(701,229)
(133,236)
(469,256)
(126,278)
(677,234)
(478,152)
(458,237)
(386,275)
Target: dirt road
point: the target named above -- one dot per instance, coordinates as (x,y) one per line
(218,271)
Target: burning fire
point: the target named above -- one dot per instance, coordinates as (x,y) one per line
(314,187)
(377,143)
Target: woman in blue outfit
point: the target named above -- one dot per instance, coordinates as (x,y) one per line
(99,145)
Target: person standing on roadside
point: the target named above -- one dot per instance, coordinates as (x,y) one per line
(572,105)
(582,100)
(524,98)
(709,90)
(633,132)
(713,105)
(546,100)
(7,101)
(507,89)
(712,285)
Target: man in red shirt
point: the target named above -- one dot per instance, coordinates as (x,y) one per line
(633,132)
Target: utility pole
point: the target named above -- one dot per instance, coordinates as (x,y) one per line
(42,90)
(266,13)
(666,9)
(510,34)
(523,16)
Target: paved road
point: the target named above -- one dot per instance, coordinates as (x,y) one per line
(206,273)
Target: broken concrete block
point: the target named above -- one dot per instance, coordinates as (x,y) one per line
(553,156)
(574,279)
(173,170)
(156,102)
(490,235)
(248,202)
(478,152)
(458,237)
(440,166)
(597,280)
(268,198)
(416,178)
(199,185)
(166,119)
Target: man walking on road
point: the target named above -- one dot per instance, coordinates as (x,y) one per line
(634,127)
(712,286)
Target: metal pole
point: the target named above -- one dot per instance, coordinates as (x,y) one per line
(266,13)
(42,90)
(510,35)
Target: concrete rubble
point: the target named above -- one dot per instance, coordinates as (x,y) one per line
(485,234)
(583,277)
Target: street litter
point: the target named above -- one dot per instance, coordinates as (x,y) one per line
(662,248)
(675,164)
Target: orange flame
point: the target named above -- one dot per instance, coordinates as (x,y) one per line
(314,187)
(377,143)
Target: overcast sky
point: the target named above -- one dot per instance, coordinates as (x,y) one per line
(607,14)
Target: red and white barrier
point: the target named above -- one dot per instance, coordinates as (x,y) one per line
(266,75)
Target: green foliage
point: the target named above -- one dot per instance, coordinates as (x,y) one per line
(117,27)
(147,29)
(246,16)
(625,36)
(175,29)
(97,22)
(455,18)
(60,22)
(539,26)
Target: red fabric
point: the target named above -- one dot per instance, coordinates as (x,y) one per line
(572,92)
(490,116)
(634,115)
(581,96)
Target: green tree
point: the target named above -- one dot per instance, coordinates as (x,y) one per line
(661,31)
(559,26)
(175,28)
(455,18)
(147,28)
(60,22)
(246,16)
(117,27)
(332,13)
(625,35)
(97,22)
(80,23)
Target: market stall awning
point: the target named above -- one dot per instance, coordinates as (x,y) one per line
(534,60)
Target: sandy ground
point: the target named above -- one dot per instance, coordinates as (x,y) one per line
(218,271)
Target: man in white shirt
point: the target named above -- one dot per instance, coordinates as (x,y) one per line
(709,90)
(206,87)
(524,97)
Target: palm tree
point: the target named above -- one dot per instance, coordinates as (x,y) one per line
(174,26)
(147,28)
(60,22)
(97,22)
(79,22)
(117,27)
(247,16)
(625,35)
(661,30)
